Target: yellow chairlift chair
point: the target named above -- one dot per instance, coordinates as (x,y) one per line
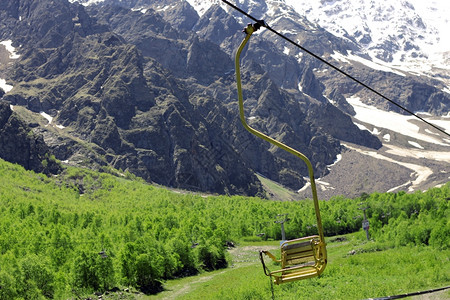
(300,258)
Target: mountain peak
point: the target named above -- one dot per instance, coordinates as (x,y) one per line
(408,34)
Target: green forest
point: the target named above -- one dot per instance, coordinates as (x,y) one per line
(84,231)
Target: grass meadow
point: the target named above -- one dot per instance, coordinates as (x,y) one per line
(369,273)
(82,234)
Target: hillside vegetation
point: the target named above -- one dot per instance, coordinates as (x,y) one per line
(357,269)
(83,231)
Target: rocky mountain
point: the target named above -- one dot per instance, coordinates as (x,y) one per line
(410,35)
(148,87)
(398,38)
(423,160)
(15,135)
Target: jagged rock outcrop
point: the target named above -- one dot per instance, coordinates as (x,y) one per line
(181,16)
(219,27)
(95,86)
(413,92)
(18,144)
(42,24)
(328,118)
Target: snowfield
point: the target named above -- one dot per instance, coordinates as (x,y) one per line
(4,86)
(424,24)
(397,122)
(422,167)
(12,55)
(10,49)
(416,153)
(376,64)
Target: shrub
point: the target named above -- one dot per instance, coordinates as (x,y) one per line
(440,235)
(36,276)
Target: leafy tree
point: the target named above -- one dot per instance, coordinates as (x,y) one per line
(211,256)
(147,274)
(181,247)
(128,256)
(7,286)
(60,247)
(36,276)
(440,235)
(105,270)
(84,269)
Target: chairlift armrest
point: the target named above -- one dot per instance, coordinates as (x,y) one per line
(271,256)
(307,268)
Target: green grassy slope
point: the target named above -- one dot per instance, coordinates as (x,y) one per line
(367,274)
(84,232)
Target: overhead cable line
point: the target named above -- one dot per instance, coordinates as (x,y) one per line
(264,24)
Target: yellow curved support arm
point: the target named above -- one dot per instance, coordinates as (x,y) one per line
(249,31)
(271,256)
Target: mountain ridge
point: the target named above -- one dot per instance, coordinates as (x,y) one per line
(171,116)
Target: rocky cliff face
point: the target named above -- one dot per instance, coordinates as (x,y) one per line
(140,91)
(18,144)
(42,24)
(93,84)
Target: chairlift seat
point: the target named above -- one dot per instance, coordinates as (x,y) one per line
(300,259)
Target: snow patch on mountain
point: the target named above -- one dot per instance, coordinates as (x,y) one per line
(417,145)
(443,156)
(436,13)
(87,2)
(4,86)
(201,6)
(12,51)
(46,116)
(396,122)
(12,55)
(411,35)
(376,64)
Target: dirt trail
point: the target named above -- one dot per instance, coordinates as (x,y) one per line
(248,253)
(181,288)
(242,256)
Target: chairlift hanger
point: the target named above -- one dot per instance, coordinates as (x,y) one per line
(300,258)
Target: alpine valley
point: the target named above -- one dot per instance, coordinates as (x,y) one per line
(148,87)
